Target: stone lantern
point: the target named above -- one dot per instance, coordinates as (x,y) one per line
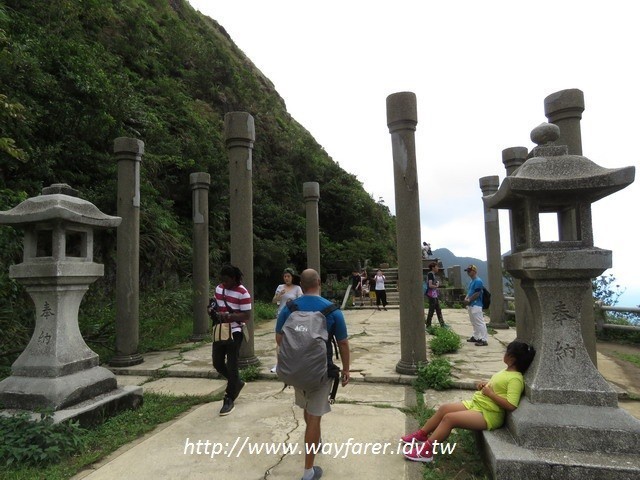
(57,369)
(569,415)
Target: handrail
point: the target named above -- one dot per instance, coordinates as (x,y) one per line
(346,297)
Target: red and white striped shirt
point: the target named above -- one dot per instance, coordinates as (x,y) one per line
(238,299)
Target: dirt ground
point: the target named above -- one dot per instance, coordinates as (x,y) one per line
(631,370)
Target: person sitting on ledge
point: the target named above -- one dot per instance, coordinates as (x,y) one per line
(485,410)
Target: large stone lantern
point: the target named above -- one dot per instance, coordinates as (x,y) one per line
(569,416)
(57,369)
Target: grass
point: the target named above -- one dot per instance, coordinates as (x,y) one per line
(112,434)
(629,357)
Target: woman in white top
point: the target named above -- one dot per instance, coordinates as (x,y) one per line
(286,291)
(381,293)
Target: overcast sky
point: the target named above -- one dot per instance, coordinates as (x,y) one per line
(480,70)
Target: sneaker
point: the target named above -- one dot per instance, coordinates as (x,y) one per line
(481,343)
(421,453)
(242,384)
(445,325)
(317,473)
(227,406)
(273,370)
(472,339)
(417,436)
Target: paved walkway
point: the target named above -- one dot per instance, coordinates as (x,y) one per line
(368,410)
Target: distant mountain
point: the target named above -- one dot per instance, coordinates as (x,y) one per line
(449,259)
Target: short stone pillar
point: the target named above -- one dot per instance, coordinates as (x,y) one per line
(240,133)
(564,109)
(454,276)
(200,182)
(489,186)
(128,153)
(57,369)
(311,194)
(513,158)
(568,425)
(402,118)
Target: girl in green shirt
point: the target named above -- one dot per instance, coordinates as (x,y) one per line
(485,410)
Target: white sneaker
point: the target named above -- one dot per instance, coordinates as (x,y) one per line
(273,370)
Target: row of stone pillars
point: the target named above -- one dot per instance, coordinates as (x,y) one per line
(239,131)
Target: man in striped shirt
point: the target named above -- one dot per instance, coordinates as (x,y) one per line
(234,306)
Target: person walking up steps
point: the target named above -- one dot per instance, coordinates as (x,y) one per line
(485,411)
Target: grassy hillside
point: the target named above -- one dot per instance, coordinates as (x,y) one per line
(84,72)
(76,74)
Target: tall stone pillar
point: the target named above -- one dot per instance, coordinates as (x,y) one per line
(240,133)
(513,158)
(128,153)
(311,194)
(564,109)
(489,186)
(200,182)
(402,118)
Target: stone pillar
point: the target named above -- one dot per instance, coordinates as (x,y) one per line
(489,186)
(512,158)
(200,182)
(564,109)
(311,194)
(240,134)
(402,118)
(128,153)
(454,275)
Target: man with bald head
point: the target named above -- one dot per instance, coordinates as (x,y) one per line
(316,403)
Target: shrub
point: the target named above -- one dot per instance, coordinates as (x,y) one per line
(29,442)
(436,375)
(250,373)
(445,341)
(264,311)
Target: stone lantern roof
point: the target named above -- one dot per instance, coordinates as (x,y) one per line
(58,202)
(555,179)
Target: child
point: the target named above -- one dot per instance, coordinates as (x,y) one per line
(486,409)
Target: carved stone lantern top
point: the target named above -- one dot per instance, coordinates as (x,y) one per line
(58,228)
(58,202)
(554,181)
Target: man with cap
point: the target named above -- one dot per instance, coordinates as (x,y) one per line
(474,302)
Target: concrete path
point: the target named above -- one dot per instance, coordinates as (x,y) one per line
(360,434)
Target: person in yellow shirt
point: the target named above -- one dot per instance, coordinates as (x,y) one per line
(485,410)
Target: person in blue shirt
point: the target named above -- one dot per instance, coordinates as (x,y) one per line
(473,300)
(316,403)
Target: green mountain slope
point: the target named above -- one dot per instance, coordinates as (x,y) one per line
(82,72)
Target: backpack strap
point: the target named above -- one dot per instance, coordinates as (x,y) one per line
(292,305)
(328,310)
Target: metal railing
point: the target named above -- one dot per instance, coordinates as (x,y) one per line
(600,311)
